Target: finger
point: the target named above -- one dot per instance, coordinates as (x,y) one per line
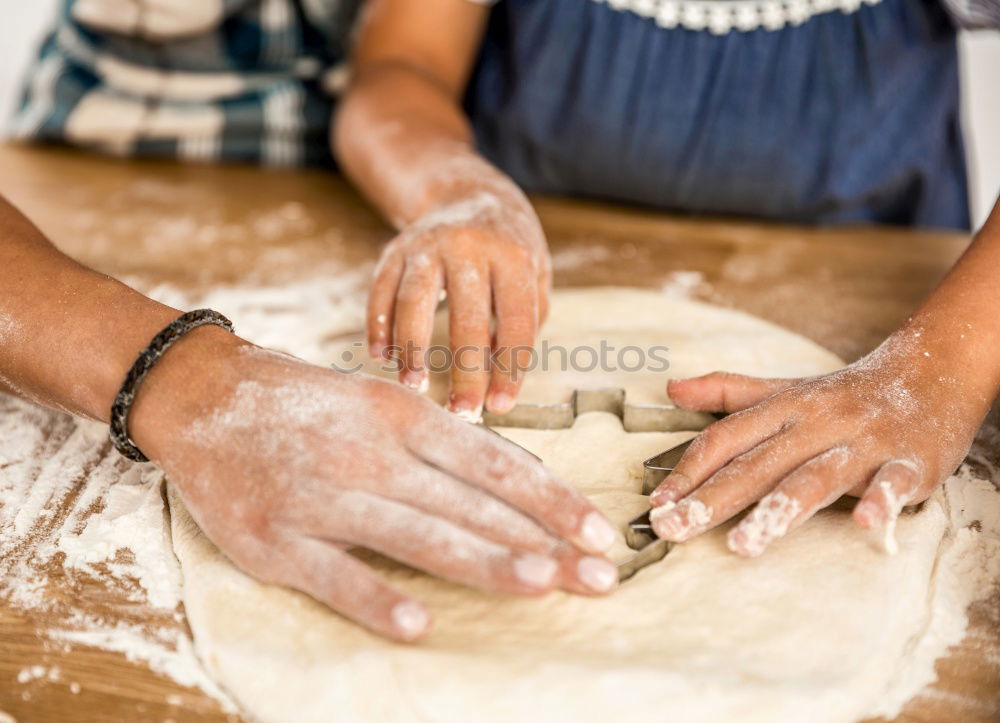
(347,585)
(438,493)
(811,487)
(418,295)
(716,446)
(513,475)
(439,547)
(724,392)
(584,574)
(741,482)
(381,302)
(479,512)
(515,299)
(469,332)
(895,485)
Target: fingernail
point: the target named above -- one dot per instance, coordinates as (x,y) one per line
(868,513)
(670,490)
(410,618)
(376,350)
(463,408)
(736,540)
(500,403)
(746,543)
(678,522)
(666,520)
(535,570)
(661,496)
(597,574)
(596,533)
(473,416)
(893,502)
(769,520)
(416,381)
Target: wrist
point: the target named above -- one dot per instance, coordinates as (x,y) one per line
(195,375)
(500,205)
(946,357)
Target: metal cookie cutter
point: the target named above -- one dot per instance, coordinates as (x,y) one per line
(635,418)
(639,534)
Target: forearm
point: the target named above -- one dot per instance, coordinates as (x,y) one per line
(957,328)
(68,334)
(406,144)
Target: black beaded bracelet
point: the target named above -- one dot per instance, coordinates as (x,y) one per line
(150,355)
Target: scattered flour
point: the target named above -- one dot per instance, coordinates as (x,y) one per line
(68,502)
(577,256)
(303,319)
(71,506)
(893,505)
(35,672)
(684,284)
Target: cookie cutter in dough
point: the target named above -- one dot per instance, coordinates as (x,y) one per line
(635,418)
(639,534)
(655,469)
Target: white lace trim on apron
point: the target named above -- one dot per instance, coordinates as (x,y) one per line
(722,16)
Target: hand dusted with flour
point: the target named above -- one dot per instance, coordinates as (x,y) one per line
(465,227)
(290,465)
(286,464)
(889,428)
(490,257)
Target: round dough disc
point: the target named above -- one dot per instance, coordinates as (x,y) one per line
(819,628)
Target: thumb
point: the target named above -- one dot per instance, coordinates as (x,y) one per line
(724,392)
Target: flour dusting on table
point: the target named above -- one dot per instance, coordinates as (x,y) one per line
(72,509)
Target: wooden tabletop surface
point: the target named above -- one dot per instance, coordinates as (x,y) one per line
(195,227)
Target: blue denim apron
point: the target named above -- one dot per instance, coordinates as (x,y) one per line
(848,117)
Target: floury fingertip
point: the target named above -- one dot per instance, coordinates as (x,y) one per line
(596,533)
(667,491)
(472,416)
(680,521)
(597,574)
(500,403)
(411,619)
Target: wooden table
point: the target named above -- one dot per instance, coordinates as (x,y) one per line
(199,226)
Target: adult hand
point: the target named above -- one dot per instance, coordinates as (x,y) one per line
(286,466)
(489,254)
(889,428)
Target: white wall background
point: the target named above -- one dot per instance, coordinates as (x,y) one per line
(22,25)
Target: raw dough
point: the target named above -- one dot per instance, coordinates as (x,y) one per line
(824,627)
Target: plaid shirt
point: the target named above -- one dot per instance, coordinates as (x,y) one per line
(250,80)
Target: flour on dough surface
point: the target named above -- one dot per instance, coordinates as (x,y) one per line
(823,627)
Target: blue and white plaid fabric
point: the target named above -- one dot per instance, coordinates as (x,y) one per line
(249,80)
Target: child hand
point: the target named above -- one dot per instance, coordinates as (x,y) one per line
(488,253)
(889,428)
